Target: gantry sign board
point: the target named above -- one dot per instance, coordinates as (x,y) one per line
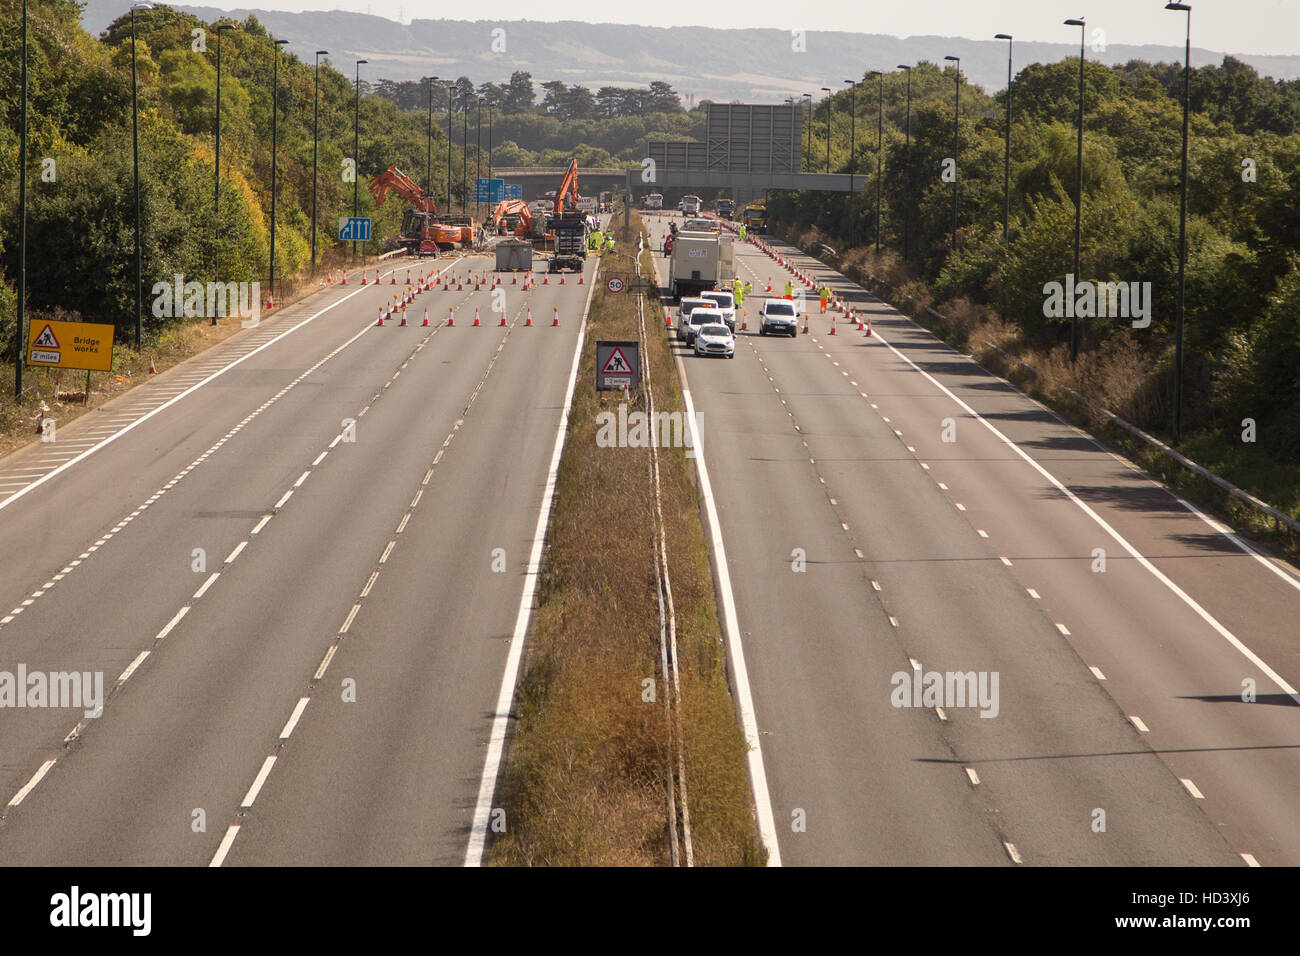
(83,345)
(617,365)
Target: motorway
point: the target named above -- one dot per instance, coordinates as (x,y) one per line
(319,683)
(1122,623)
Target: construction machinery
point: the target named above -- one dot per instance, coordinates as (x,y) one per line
(513,217)
(754,216)
(423,230)
(568,225)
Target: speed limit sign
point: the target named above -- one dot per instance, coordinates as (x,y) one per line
(614,284)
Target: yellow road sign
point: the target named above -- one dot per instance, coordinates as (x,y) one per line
(84,345)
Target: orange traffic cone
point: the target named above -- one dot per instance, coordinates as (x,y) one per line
(426,318)
(514,280)
(832,328)
(579,278)
(503,320)
(344,280)
(769,283)
(408,276)
(561,278)
(451,317)
(393,281)
(381,316)
(363,277)
(744,322)
(153,369)
(556,321)
(476,321)
(529,320)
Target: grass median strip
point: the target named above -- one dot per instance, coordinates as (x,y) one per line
(585,783)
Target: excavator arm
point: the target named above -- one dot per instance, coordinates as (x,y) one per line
(566,197)
(394,179)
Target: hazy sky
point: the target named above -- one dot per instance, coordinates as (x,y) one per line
(1231,26)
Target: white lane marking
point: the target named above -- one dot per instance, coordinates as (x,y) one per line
(325,663)
(365,591)
(982,532)
(1005,560)
(387,551)
(943,486)
(260,779)
(352,614)
(875,585)
(1062,628)
(176,619)
(31,784)
(1250,859)
(1033,594)
(1137,722)
(261,524)
(973,776)
(240,547)
(131,668)
(1123,542)
(893,621)
(172,401)
(280,504)
(226,842)
(301,478)
(941,714)
(1191,788)
(402,525)
(1096,672)
(1012,852)
(293,718)
(960,506)
(212,579)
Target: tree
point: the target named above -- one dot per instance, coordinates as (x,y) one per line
(519,96)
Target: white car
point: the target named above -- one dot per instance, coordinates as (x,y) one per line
(699,318)
(715,339)
(724,301)
(778,315)
(684,316)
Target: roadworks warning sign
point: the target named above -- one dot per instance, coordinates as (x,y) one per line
(617,365)
(83,345)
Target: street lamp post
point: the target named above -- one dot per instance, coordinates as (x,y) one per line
(1078,189)
(491,110)
(829,106)
(478,146)
(315,139)
(464,157)
(1006,160)
(1182,231)
(135,161)
(216,192)
(907,201)
(449,84)
(880,145)
(275,164)
(956,146)
(356,149)
(807,149)
(20,344)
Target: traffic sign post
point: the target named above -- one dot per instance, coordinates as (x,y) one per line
(615,284)
(618,365)
(354,229)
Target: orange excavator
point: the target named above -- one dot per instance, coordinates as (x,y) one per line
(423,230)
(514,217)
(568,225)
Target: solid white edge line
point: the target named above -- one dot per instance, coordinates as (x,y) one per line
(731,625)
(1159,575)
(501,719)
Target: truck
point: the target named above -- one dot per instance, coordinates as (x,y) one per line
(653,201)
(754,217)
(691,205)
(726,208)
(700,261)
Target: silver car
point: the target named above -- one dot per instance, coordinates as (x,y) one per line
(684,315)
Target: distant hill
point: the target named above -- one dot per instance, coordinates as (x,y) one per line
(747,64)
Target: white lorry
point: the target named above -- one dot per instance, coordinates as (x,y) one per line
(700,261)
(691,205)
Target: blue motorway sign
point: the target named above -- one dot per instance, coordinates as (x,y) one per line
(354,228)
(513,191)
(488,190)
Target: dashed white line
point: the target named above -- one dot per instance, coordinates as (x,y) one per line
(260,779)
(293,718)
(1137,722)
(1191,788)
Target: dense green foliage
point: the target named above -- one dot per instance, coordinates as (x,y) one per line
(1243,231)
(80,222)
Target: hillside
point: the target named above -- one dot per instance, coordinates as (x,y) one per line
(701,63)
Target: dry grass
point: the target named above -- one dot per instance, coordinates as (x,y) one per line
(586,782)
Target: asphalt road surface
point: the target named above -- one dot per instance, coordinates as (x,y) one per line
(951,524)
(324,674)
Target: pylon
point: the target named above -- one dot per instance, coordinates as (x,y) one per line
(426,317)
(403,322)
(832,328)
(546,280)
(868,325)
(503,320)
(744,322)
(363,277)
(270,303)
(514,280)
(344,280)
(805,325)
(556,321)
(769,283)
(394,279)
(561,278)
(529,320)
(579,278)
(451,317)
(153,369)
(381,316)
(408,276)
(476,321)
